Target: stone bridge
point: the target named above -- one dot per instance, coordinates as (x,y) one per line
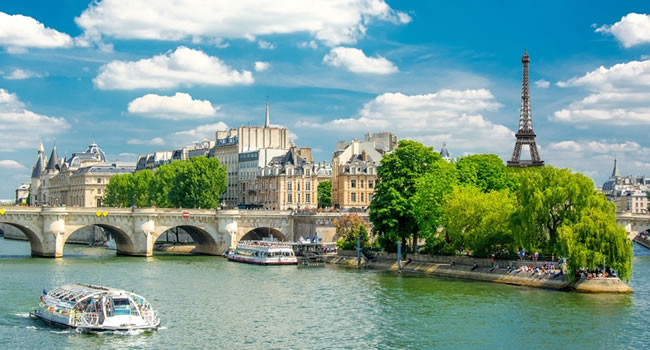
(136,230)
(633,223)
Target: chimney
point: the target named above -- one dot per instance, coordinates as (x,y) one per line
(363,156)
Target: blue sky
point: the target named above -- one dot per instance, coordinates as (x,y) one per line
(140,76)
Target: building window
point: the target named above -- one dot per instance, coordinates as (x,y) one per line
(361,184)
(369,197)
(307,186)
(353,197)
(307,198)
(99,191)
(99,202)
(298,185)
(353,183)
(99,180)
(308,172)
(361,196)
(289,198)
(370,184)
(289,186)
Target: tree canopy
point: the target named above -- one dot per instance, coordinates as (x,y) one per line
(195,183)
(349,227)
(485,171)
(325,194)
(392,207)
(479,222)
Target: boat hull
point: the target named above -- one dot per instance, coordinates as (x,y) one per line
(261,262)
(58,324)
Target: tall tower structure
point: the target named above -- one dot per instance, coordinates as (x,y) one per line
(525,135)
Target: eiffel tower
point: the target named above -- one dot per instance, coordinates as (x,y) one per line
(525,135)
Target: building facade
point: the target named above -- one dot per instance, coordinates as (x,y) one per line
(79,180)
(630,193)
(22,193)
(354,173)
(290,181)
(255,146)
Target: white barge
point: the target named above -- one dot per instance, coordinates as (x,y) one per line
(95,309)
(263,253)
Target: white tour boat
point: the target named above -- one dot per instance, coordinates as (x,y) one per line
(94,308)
(263,253)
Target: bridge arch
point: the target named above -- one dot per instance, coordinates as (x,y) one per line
(35,242)
(123,242)
(205,242)
(261,233)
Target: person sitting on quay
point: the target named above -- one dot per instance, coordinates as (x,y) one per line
(475,266)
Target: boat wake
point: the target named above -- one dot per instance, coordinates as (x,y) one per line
(31,327)
(22,314)
(67,331)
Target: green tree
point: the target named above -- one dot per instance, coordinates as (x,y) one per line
(479,221)
(117,193)
(139,188)
(430,190)
(198,184)
(596,240)
(28,200)
(548,198)
(485,171)
(392,206)
(349,227)
(325,194)
(163,180)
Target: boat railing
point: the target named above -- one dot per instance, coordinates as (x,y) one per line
(150,317)
(87,319)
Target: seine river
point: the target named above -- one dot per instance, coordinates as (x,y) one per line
(207,302)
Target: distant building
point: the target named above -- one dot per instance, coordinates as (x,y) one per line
(22,192)
(444,153)
(255,146)
(79,180)
(628,192)
(156,159)
(290,181)
(354,172)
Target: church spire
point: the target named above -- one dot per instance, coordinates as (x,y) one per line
(615,172)
(267,121)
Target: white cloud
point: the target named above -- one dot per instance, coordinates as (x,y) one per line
(333,22)
(311,44)
(265,45)
(19,126)
(542,84)
(633,29)
(19,74)
(177,107)
(18,32)
(184,66)
(354,60)
(619,95)
(200,133)
(156,141)
(262,66)
(11,164)
(452,116)
(595,158)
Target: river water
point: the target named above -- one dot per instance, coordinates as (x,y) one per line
(207,302)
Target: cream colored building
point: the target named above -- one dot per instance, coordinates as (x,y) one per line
(251,141)
(354,172)
(291,181)
(22,192)
(635,202)
(79,180)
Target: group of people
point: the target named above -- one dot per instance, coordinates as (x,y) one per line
(597,273)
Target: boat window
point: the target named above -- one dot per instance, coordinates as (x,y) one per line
(122,307)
